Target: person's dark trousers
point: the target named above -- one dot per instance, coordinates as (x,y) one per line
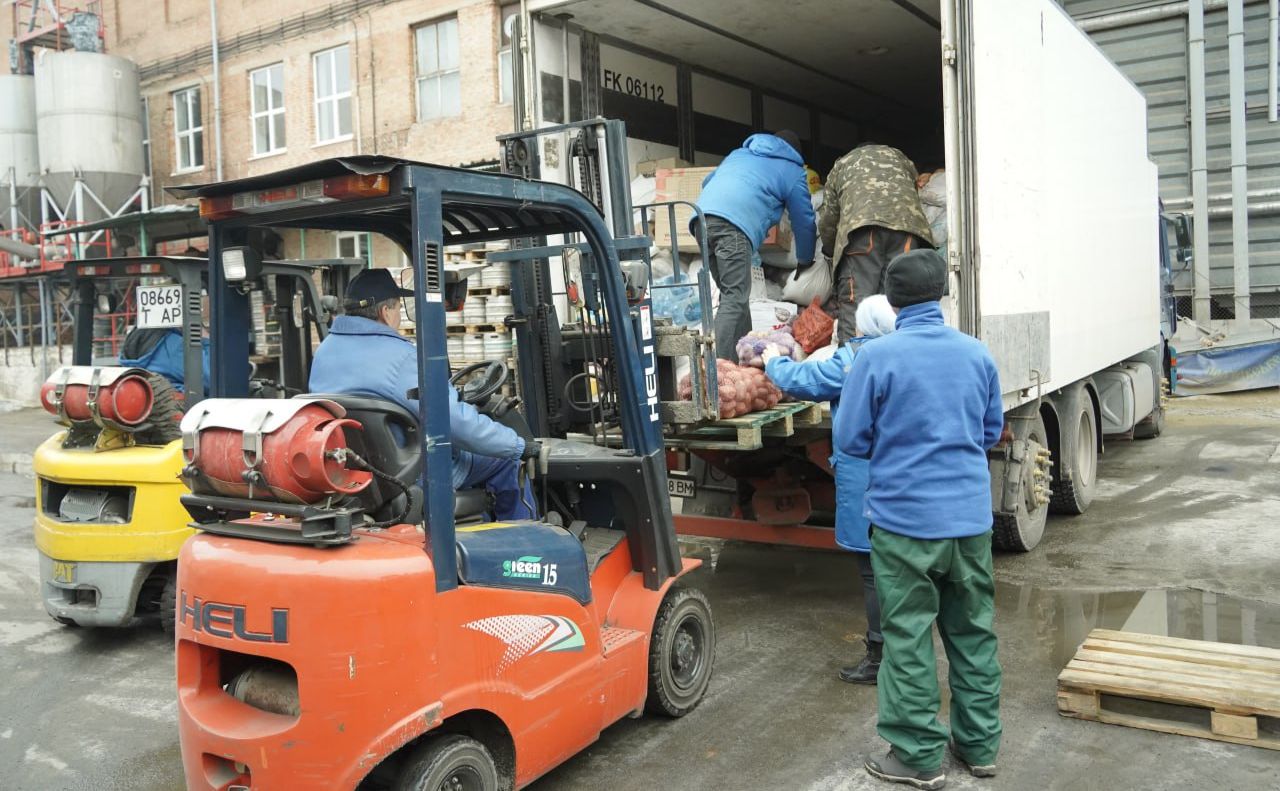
(730,261)
(948,581)
(871,602)
(860,272)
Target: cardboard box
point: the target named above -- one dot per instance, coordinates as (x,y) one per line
(685,184)
(651,166)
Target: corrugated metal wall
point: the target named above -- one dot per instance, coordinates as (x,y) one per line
(1154,56)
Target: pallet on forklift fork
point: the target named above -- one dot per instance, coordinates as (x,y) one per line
(748,431)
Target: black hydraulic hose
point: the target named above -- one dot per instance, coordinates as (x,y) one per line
(352,460)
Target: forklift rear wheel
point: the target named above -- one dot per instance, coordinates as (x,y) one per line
(449,762)
(681,653)
(169,602)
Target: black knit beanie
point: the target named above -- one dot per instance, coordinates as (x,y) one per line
(915,277)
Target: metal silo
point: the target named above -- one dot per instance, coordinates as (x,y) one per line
(19,155)
(89,117)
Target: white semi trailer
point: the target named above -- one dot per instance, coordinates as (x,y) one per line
(1055,231)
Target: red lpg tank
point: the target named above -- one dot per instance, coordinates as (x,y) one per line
(125,401)
(299,462)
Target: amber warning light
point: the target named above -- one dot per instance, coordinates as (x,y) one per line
(350,187)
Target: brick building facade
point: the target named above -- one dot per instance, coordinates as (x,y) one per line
(418,79)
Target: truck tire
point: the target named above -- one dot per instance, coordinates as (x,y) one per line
(1022,531)
(1074,496)
(682,651)
(1151,426)
(450,760)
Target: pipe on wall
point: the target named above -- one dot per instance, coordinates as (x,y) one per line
(1199,167)
(1141,16)
(1273,60)
(217,91)
(1239,160)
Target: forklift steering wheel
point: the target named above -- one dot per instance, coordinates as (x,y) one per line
(477,390)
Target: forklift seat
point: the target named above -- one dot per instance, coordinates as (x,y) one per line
(390,443)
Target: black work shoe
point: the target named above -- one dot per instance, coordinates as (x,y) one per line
(977,770)
(895,771)
(865,672)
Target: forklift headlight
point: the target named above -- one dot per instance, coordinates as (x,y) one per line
(240,264)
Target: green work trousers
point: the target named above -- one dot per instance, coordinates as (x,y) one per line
(948,581)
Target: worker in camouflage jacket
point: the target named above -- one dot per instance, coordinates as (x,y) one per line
(870,213)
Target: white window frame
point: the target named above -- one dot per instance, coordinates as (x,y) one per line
(363,248)
(184,139)
(269,112)
(331,103)
(506,51)
(441,73)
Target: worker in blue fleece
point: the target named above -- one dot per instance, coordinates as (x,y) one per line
(160,352)
(821,380)
(365,355)
(923,405)
(742,199)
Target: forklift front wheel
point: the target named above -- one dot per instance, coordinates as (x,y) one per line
(681,653)
(449,762)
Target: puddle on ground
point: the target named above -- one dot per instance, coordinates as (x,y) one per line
(1040,626)
(1063,618)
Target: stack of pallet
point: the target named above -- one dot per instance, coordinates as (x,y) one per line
(1212,690)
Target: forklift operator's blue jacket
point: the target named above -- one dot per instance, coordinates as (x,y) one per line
(366,357)
(923,404)
(821,381)
(165,359)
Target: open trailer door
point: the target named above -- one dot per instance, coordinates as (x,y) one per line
(1056,196)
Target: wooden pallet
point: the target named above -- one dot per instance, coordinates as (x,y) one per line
(489,291)
(472,329)
(748,431)
(1225,688)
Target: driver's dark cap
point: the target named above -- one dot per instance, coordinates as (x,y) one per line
(371,287)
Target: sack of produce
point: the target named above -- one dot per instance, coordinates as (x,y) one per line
(742,389)
(752,345)
(813,282)
(812,328)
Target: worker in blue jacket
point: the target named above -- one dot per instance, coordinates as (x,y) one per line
(160,352)
(821,380)
(364,354)
(742,199)
(923,405)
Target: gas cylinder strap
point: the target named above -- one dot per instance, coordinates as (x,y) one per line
(59,390)
(251,439)
(94,387)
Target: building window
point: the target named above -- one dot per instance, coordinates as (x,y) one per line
(266,97)
(506,51)
(333,95)
(188,130)
(439,83)
(352,244)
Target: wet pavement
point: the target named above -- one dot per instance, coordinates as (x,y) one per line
(1183,540)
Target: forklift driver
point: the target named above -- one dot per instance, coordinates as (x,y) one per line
(365,355)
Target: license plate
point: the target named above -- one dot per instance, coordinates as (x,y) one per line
(64,572)
(681,487)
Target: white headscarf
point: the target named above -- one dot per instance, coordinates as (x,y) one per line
(875,317)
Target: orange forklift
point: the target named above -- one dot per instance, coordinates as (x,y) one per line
(346,619)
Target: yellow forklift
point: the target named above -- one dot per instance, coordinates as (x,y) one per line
(109,524)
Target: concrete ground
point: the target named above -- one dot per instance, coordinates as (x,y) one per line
(1184,539)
